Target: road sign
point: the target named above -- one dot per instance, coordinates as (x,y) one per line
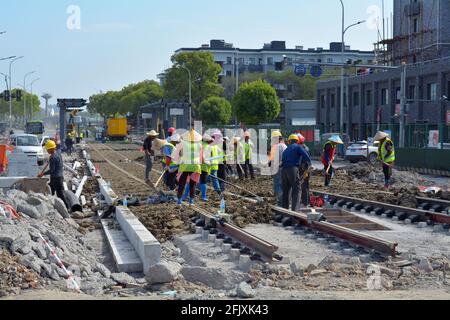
(316,71)
(72,103)
(300,70)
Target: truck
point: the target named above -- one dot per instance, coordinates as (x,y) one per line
(35,127)
(117,129)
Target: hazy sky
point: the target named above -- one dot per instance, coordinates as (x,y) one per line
(121,42)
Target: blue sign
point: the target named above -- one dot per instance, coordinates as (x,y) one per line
(316,71)
(300,70)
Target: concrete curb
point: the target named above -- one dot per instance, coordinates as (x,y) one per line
(145,244)
(110,196)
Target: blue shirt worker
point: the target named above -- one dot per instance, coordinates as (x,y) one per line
(294,157)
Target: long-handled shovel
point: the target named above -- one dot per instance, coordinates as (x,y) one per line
(258,198)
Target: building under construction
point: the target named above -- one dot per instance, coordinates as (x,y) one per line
(421,32)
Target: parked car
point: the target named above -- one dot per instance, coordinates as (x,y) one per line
(361,151)
(30,145)
(44,140)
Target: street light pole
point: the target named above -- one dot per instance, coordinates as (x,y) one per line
(32,102)
(10,89)
(190,94)
(24,96)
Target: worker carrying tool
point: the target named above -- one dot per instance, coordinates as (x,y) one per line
(217,158)
(304,172)
(56,171)
(386,154)
(206,165)
(221,147)
(328,157)
(238,156)
(149,153)
(294,157)
(248,149)
(275,157)
(169,165)
(189,155)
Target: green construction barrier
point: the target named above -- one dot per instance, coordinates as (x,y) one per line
(433,159)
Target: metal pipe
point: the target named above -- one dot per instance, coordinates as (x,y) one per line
(72,201)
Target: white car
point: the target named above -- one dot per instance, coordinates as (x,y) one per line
(360,151)
(30,145)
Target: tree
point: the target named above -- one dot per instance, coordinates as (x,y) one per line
(229,83)
(215,110)
(256,103)
(205,77)
(17,106)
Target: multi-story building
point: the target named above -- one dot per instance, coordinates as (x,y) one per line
(420,32)
(275,56)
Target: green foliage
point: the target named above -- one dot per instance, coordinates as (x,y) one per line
(215,110)
(256,102)
(128,100)
(17,106)
(205,77)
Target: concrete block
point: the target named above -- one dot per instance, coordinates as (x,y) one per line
(289,228)
(109,195)
(352,210)
(384,216)
(335,206)
(212,238)
(349,251)
(394,218)
(245,264)
(310,236)
(226,248)
(373,213)
(335,245)
(145,244)
(408,221)
(422,225)
(198,230)
(205,235)
(438,228)
(365,258)
(235,254)
(363,211)
(322,240)
(218,242)
(344,207)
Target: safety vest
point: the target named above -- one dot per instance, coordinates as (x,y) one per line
(190,159)
(248,148)
(383,153)
(239,156)
(206,155)
(215,152)
(172,149)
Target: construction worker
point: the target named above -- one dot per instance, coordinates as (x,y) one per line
(217,165)
(189,155)
(206,165)
(293,158)
(170,133)
(328,157)
(386,154)
(248,149)
(304,172)
(69,143)
(275,157)
(56,170)
(170,167)
(239,156)
(149,153)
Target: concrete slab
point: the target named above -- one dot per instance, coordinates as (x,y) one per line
(107,192)
(7,182)
(125,257)
(146,245)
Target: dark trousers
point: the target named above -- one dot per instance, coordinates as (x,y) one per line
(328,176)
(290,182)
(171,180)
(249,167)
(182,185)
(204,177)
(148,166)
(305,188)
(387,171)
(240,171)
(69,146)
(222,174)
(57,187)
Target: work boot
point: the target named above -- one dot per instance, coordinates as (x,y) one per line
(191,202)
(180,202)
(204,189)
(186,192)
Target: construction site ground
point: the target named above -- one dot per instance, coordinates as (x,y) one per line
(314,267)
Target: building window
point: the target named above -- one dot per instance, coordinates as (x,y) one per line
(229,60)
(384,97)
(260,61)
(333,100)
(270,61)
(398,95)
(432,91)
(322,101)
(228,73)
(330,60)
(411,92)
(369,61)
(355,99)
(290,88)
(416,25)
(368,98)
(252,61)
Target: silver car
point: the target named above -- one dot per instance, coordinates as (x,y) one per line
(30,145)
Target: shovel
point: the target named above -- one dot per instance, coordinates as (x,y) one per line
(258,198)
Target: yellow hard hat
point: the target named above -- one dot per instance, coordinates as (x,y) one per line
(50,145)
(276,134)
(294,137)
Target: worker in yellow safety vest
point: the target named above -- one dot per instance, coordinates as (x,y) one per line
(386,154)
(248,149)
(239,156)
(169,165)
(219,167)
(189,155)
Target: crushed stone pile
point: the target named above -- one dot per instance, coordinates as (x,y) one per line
(20,242)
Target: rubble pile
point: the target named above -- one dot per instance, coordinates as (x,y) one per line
(21,239)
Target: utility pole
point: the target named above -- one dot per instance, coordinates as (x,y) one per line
(190,95)
(32,102)
(403,101)
(236,67)
(10,89)
(24,96)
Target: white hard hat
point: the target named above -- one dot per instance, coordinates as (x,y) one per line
(175,138)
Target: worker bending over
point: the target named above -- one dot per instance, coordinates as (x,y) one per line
(386,154)
(293,158)
(275,159)
(56,171)
(189,155)
(328,157)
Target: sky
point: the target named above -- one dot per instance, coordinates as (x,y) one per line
(79,48)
